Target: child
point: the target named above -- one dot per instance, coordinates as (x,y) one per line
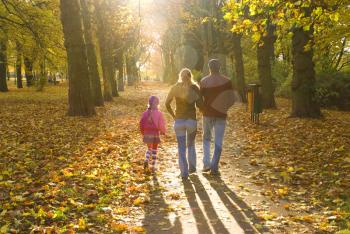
(152,124)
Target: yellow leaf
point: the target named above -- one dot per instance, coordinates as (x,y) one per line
(282,191)
(174,196)
(41,213)
(82,224)
(170,209)
(4,229)
(67,173)
(137,229)
(3,212)
(247,22)
(119,227)
(268,216)
(285,176)
(121,210)
(256,37)
(340,149)
(308,218)
(228,16)
(138,201)
(306,28)
(205,20)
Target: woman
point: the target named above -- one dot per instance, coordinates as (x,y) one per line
(187,97)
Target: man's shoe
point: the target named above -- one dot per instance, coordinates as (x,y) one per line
(215,173)
(206,169)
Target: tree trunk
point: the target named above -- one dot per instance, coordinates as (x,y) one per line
(264,57)
(303,83)
(114,82)
(80,100)
(341,53)
(91,54)
(166,67)
(105,50)
(3,66)
(173,70)
(238,55)
(131,70)
(8,70)
(120,67)
(19,66)
(42,79)
(28,69)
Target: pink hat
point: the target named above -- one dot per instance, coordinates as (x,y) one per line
(153,101)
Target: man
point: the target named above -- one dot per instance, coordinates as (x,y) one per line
(218,97)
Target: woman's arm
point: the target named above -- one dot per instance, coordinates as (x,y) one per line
(168,101)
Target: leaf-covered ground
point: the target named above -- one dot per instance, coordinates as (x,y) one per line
(68,174)
(301,165)
(61,174)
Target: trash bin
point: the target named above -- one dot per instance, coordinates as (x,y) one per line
(254,105)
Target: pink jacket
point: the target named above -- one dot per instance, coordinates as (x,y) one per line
(152,123)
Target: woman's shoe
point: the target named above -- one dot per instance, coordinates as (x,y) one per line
(191,171)
(183,177)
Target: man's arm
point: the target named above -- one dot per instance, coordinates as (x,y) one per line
(168,101)
(231,95)
(199,101)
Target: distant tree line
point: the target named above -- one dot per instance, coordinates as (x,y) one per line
(101,47)
(283,45)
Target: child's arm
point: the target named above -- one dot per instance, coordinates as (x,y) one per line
(141,125)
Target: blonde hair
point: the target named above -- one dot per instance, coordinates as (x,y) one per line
(185,72)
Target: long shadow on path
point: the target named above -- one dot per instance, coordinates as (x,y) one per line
(201,221)
(156,215)
(242,213)
(213,218)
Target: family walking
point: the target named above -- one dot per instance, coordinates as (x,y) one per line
(213,97)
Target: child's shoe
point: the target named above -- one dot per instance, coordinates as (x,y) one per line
(153,169)
(145,165)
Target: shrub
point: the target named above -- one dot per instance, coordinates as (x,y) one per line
(40,83)
(345,231)
(282,75)
(333,90)
(197,75)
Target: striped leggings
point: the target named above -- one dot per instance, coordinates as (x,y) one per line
(152,150)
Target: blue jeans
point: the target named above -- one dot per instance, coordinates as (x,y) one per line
(186,130)
(218,124)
